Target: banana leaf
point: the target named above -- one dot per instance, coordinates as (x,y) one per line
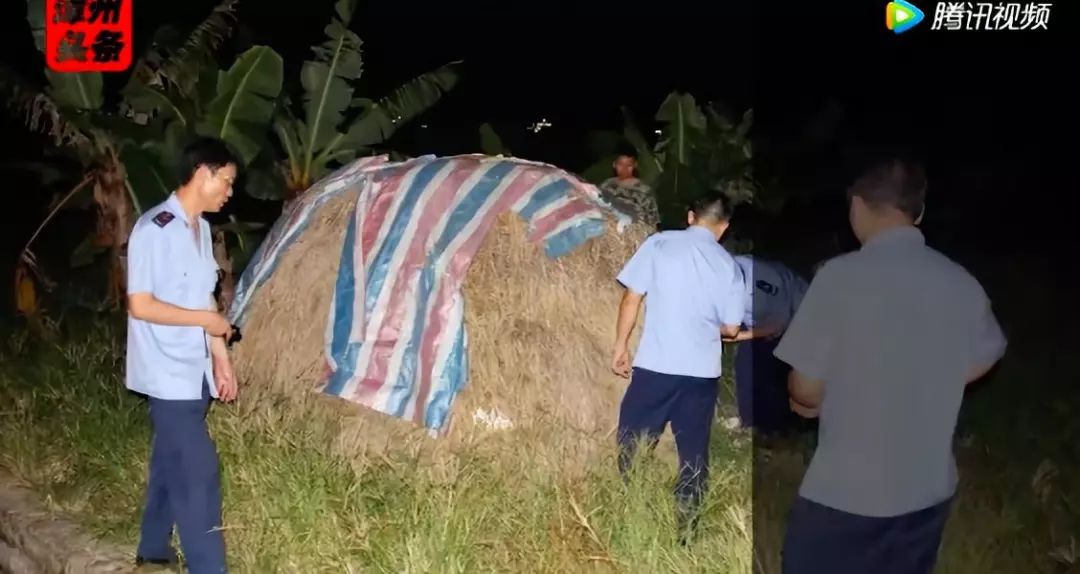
(170,143)
(378,123)
(649,164)
(245,101)
(327,89)
(206,89)
(85,252)
(35,16)
(185,64)
(490,142)
(160,102)
(121,128)
(684,125)
(149,182)
(75,91)
(82,91)
(264,179)
(679,185)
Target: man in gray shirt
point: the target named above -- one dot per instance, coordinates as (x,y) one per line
(881,348)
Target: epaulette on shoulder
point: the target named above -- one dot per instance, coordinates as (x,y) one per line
(162,219)
(766,286)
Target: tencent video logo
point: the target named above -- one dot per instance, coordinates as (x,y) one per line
(901,16)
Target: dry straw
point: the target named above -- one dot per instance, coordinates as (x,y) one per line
(540,332)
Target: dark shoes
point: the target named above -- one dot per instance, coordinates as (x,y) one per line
(156,564)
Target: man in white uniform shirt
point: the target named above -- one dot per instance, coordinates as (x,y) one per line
(176,355)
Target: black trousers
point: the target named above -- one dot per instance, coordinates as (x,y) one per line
(651,402)
(823,540)
(761,387)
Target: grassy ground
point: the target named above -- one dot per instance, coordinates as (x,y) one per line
(72,431)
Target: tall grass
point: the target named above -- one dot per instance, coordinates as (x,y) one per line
(71,430)
(74,433)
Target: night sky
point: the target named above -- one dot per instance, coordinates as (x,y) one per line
(982,108)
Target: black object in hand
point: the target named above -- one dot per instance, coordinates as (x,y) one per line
(234,336)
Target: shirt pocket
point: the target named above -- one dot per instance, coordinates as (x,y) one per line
(176,287)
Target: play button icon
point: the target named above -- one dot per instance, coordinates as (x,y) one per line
(901,16)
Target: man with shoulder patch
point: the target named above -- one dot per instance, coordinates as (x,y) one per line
(882,347)
(177,356)
(692,290)
(772,293)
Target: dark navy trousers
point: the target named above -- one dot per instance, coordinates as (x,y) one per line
(823,540)
(184,487)
(651,402)
(761,386)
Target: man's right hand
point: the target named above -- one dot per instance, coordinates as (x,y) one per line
(216,325)
(803,410)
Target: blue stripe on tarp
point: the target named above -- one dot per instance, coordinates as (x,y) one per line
(380,264)
(454,378)
(544,196)
(342,351)
(470,206)
(464,213)
(239,316)
(572,237)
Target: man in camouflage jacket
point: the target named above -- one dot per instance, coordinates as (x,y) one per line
(628,194)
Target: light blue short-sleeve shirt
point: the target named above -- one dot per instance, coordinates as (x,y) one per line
(773,291)
(892,330)
(692,287)
(166,361)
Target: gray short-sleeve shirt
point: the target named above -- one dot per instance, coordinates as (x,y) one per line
(893,330)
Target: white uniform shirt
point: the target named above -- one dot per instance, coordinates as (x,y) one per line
(165,361)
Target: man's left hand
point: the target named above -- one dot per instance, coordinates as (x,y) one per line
(744,335)
(224,378)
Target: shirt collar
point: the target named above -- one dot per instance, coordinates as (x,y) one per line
(174,205)
(699,231)
(903,235)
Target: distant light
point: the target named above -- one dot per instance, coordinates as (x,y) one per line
(423,126)
(536,127)
(657,132)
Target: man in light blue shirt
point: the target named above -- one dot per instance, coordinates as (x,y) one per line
(177,356)
(772,294)
(882,347)
(692,291)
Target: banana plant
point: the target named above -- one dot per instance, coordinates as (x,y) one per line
(335,126)
(123,150)
(234,105)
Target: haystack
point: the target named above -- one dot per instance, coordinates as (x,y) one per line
(538,315)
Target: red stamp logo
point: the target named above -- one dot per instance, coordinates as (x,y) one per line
(88,35)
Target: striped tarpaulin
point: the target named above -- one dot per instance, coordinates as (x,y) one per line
(288,227)
(395,334)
